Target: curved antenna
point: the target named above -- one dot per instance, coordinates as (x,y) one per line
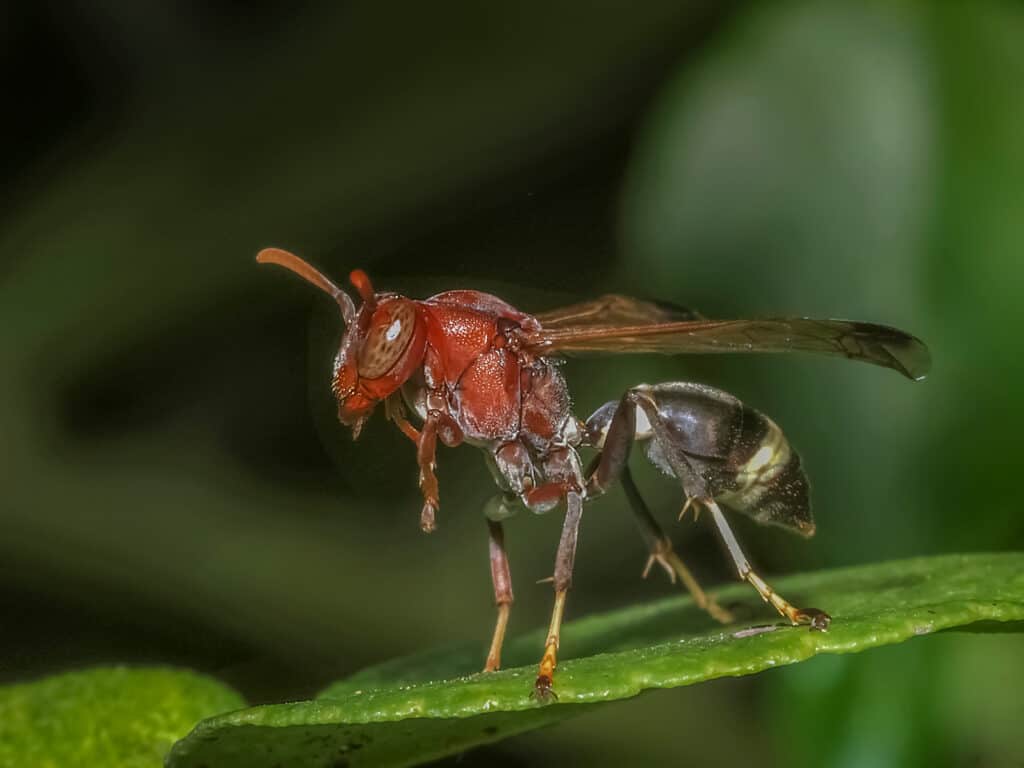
(364,287)
(311,275)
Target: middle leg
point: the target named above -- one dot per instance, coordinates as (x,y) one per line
(564,560)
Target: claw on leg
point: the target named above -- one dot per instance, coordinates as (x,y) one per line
(691,503)
(428,487)
(428,519)
(542,688)
(818,620)
(665,566)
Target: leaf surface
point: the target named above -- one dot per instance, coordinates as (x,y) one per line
(433,704)
(115,717)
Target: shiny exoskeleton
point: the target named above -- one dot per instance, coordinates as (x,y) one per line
(471,368)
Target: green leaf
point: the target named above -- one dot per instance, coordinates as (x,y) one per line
(114,717)
(434,704)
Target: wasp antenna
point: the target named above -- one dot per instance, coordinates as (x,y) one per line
(310,274)
(362,284)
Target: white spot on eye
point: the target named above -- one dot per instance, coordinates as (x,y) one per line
(393,330)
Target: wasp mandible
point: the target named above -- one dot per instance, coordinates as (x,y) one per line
(469,367)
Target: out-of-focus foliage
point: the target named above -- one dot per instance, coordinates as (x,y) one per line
(864,160)
(432,705)
(113,717)
(175,488)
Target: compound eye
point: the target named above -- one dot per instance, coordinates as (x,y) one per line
(390,332)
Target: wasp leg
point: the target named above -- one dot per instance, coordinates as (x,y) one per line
(661,552)
(502,579)
(564,560)
(613,430)
(752,466)
(426,450)
(395,411)
(547,495)
(563,475)
(437,425)
(818,620)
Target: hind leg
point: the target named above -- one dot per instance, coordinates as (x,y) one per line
(753,465)
(659,545)
(613,429)
(817,619)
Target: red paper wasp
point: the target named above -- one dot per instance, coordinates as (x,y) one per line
(471,368)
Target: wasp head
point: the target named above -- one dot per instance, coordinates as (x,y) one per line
(382,345)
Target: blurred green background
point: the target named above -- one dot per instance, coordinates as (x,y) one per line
(175,488)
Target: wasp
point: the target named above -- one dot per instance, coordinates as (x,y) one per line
(467,367)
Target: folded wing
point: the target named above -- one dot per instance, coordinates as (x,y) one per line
(619,324)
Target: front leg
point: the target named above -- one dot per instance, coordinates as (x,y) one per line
(395,411)
(426,449)
(438,424)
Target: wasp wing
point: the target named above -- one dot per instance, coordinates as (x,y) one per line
(620,325)
(613,310)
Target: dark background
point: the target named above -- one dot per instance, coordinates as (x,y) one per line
(174,487)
